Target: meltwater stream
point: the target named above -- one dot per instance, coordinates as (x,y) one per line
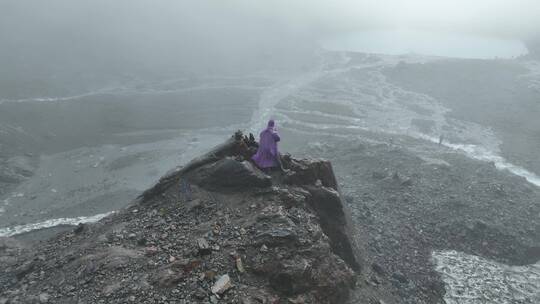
(11,231)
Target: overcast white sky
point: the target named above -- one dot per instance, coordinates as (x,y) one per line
(511,18)
(515,18)
(502,17)
(165,33)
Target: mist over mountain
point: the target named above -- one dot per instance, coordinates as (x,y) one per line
(408,138)
(58,46)
(66,45)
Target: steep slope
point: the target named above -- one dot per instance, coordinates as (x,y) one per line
(216,230)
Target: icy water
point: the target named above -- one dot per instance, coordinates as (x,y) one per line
(16,230)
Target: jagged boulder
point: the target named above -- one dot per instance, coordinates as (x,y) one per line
(335,223)
(236,146)
(290,249)
(309,171)
(317,177)
(230,174)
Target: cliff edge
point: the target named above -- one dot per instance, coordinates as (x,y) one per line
(217,230)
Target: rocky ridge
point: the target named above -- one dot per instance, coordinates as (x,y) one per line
(217,230)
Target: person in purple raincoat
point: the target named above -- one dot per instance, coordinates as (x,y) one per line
(267,156)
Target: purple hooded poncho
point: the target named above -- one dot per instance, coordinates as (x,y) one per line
(266,156)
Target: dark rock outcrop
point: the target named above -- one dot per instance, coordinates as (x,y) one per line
(333,219)
(240,236)
(229,174)
(309,171)
(236,146)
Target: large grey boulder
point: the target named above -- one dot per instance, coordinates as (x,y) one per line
(233,146)
(229,174)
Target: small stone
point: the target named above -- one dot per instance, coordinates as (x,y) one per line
(79,228)
(378,174)
(247,301)
(297,300)
(407,182)
(204,247)
(200,294)
(172,259)
(264,248)
(44,298)
(240,265)
(377,268)
(167,278)
(110,289)
(210,274)
(222,285)
(141,241)
(400,277)
(152,250)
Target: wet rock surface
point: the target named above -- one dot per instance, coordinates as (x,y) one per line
(196,238)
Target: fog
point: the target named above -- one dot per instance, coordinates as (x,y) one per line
(65,41)
(202,36)
(427,109)
(483,17)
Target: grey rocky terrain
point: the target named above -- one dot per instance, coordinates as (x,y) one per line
(217,230)
(412,205)
(411,209)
